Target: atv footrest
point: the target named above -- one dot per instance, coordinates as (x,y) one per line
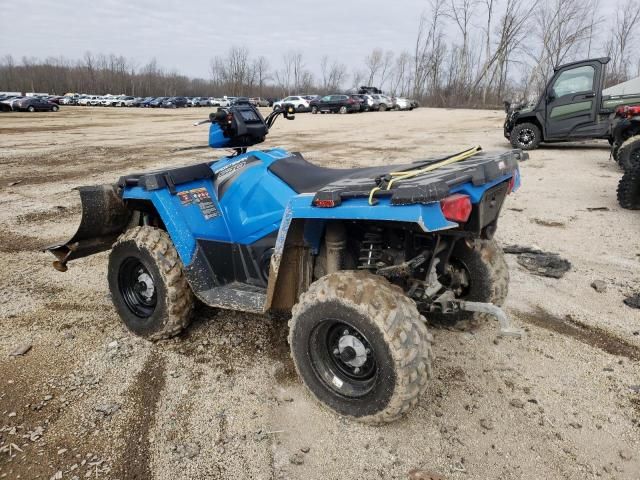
(236,296)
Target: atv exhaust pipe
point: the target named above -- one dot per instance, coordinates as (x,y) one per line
(104,217)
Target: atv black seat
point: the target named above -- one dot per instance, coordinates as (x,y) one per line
(305,177)
(335,184)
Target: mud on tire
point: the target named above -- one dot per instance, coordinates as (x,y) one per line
(489,281)
(628,154)
(148,286)
(629,188)
(366,312)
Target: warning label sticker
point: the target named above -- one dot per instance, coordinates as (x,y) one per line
(200,196)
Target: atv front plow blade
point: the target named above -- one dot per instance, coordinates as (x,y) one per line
(104,217)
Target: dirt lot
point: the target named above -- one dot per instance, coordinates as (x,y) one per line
(222,402)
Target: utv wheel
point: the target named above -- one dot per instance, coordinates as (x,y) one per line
(628,154)
(147,284)
(314,109)
(477,273)
(525,136)
(361,347)
(629,188)
(342,110)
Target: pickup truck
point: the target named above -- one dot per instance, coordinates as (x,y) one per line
(571,107)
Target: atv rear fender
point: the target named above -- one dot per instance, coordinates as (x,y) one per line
(303,230)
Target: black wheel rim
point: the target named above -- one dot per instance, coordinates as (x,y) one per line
(342,358)
(526,137)
(137,287)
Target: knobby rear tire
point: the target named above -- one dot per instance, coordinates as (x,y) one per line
(397,334)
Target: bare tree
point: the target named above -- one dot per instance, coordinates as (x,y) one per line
(624,29)
(373,63)
(261,69)
(461,12)
(401,75)
(429,50)
(562,27)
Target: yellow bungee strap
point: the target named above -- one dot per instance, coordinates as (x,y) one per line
(398,176)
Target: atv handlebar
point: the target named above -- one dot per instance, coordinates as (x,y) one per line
(223,113)
(289,113)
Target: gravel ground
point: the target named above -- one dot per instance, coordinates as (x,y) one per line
(221,401)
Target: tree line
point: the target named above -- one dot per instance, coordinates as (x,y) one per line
(466,53)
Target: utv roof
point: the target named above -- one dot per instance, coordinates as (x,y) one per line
(602,60)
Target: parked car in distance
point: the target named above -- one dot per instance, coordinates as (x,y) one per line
(147,102)
(35,104)
(384,102)
(402,103)
(7,102)
(260,102)
(366,102)
(157,102)
(88,100)
(68,100)
(218,102)
(199,102)
(300,103)
(122,100)
(336,104)
(174,102)
(133,101)
(106,100)
(369,90)
(240,100)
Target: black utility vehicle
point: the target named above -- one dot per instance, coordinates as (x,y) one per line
(572,107)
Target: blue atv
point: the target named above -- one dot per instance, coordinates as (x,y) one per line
(359,257)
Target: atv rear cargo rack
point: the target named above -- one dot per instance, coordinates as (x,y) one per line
(429,187)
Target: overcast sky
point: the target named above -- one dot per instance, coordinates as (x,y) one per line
(185,34)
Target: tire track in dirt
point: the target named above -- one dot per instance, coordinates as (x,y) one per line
(144,394)
(590,335)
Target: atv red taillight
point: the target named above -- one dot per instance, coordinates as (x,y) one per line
(628,111)
(324,203)
(456,208)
